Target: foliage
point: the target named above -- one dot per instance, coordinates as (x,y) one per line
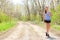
(3,16)
(6,25)
(56,15)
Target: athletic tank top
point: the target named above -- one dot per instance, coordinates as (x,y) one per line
(47,17)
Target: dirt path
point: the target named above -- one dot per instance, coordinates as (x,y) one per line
(28,31)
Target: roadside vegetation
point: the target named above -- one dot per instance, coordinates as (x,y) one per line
(31,10)
(6,22)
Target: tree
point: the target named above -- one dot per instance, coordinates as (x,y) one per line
(27,9)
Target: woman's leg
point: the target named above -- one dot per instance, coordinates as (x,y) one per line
(47,27)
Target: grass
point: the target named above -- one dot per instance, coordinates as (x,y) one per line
(6,25)
(41,24)
(57,27)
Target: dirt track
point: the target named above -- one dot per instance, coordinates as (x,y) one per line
(27,31)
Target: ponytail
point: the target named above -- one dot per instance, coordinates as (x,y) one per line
(45,11)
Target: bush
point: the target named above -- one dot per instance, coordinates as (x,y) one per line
(3,17)
(56,15)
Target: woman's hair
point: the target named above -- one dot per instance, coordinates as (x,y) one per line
(46,10)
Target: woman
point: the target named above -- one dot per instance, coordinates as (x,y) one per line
(47,20)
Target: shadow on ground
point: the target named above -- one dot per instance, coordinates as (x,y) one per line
(51,38)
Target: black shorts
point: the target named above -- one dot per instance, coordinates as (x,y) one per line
(47,21)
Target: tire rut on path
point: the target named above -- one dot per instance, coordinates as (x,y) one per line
(41,32)
(8,32)
(14,34)
(30,34)
(28,31)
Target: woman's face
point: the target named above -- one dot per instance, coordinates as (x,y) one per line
(46,9)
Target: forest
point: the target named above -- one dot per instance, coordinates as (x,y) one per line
(28,10)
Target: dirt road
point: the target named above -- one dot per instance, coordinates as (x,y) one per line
(27,31)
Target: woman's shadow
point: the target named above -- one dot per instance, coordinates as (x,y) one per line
(51,38)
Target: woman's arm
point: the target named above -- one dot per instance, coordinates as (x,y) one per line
(50,14)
